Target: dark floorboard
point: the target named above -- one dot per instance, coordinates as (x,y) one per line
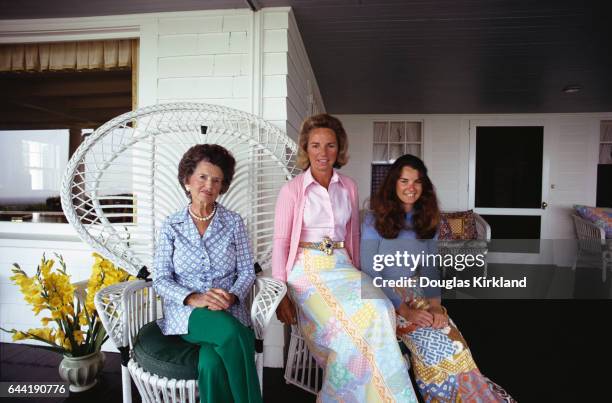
(23,363)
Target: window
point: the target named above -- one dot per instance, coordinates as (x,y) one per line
(42,163)
(31,169)
(391,140)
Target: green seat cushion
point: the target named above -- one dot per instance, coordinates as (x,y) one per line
(168,356)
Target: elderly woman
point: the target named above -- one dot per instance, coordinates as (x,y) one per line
(204,272)
(405,218)
(316,251)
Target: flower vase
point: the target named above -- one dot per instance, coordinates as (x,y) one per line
(82,372)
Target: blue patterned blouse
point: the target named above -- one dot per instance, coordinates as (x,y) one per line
(186,262)
(372,243)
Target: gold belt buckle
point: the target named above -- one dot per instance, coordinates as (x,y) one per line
(326,245)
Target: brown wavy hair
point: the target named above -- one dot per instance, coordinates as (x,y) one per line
(389,211)
(322,121)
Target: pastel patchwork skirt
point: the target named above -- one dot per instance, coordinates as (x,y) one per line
(443,366)
(352,338)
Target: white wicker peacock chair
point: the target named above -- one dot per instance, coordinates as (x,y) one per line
(121,184)
(301,368)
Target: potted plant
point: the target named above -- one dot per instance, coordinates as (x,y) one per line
(71,325)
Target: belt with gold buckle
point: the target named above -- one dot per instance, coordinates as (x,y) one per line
(327,245)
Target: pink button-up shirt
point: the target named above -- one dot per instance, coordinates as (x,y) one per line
(288,220)
(326,211)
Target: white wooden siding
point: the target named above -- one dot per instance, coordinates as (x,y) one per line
(303,95)
(274,70)
(573,177)
(205,59)
(444,143)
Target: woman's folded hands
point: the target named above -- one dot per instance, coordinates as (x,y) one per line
(432,317)
(215,299)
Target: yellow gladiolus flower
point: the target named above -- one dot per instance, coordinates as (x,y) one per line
(56,315)
(55,302)
(83,319)
(62,340)
(50,289)
(45,321)
(78,336)
(43,333)
(46,266)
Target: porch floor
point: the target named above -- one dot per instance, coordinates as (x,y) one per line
(23,363)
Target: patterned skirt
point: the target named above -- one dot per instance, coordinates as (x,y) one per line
(352,338)
(443,366)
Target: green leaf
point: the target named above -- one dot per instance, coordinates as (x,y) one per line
(50,348)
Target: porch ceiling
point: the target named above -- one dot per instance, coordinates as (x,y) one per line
(434,56)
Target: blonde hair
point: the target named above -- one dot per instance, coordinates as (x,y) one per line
(322,121)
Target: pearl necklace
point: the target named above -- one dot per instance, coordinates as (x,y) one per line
(205,218)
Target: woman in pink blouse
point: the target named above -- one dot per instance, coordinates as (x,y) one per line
(316,251)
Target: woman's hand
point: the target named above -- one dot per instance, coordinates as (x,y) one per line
(285,312)
(440,319)
(215,299)
(419,317)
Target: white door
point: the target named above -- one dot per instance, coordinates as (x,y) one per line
(508,185)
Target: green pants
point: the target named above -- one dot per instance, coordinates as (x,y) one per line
(226,365)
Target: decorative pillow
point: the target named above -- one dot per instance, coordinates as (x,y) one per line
(602,217)
(459,225)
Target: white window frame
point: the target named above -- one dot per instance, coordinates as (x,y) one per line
(388,143)
(603,142)
(404,143)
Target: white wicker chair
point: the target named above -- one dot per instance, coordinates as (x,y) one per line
(301,369)
(121,184)
(592,245)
